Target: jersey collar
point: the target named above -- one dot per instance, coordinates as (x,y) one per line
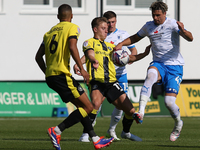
(113,32)
(116,30)
(97,39)
(160,24)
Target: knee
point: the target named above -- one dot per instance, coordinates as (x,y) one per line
(89,108)
(96,104)
(130,112)
(168,103)
(152,75)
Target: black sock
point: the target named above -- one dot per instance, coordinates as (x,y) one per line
(126,124)
(91,117)
(71,120)
(87,124)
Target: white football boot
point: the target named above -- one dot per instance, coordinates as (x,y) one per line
(112,134)
(84,138)
(130,136)
(176,131)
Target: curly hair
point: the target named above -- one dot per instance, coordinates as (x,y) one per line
(159,6)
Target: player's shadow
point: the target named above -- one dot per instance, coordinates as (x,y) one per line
(18,139)
(46,139)
(17,149)
(173,146)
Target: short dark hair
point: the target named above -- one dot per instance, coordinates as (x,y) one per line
(109,14)
(64,7)
(159,6)
(96,21)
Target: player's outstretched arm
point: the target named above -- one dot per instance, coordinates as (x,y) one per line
(133,58)
(130,40)
(39,58)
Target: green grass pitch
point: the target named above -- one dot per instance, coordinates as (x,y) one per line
(30,134)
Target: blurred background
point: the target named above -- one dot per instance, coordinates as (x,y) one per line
(23,23)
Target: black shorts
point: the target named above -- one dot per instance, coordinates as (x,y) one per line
(66,86)
(111,91)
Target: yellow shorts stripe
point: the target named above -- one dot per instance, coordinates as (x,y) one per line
(83,112)
(72,87)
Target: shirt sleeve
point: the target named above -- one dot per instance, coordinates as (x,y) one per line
(175,26)
(87,45)
(142,32)
(74,32)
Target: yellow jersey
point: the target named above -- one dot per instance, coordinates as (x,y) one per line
(57,51)
(103,50)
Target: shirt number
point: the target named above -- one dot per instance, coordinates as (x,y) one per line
(118,86)
(53,45)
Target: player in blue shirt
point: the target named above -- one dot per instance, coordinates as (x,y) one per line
(167,64)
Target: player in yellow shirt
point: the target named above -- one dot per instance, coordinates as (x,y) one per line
(106,70)
(103,82)
(57,45)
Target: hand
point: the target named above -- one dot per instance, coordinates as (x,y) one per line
(76,70)
(180,25)
(86,76)
(119,46)
(130,62)
(95,64)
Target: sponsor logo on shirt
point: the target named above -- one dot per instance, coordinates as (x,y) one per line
(94,87)
(79,30)
(80,88)
(85,43)
(110,48)
(156,31)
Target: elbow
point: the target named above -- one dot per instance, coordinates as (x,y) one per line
(191,39)
(37,58)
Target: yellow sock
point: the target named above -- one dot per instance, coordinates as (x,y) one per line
(128,117)
(94,111)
